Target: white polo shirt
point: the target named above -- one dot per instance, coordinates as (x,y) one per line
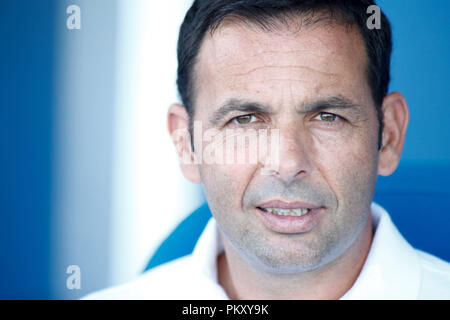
(393,270)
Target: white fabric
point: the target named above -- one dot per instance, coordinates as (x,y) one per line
(393,270)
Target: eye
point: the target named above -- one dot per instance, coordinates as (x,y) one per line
(245,119)
(327,117)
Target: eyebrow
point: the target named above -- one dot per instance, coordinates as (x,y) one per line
(234,105)
(237,105)
(335,102)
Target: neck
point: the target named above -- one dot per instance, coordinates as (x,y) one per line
(332,281)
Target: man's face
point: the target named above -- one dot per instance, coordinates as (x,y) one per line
(327,155)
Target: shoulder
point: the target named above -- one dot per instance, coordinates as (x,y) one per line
(435,277)
(172,280)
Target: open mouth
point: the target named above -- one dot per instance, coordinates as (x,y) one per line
(289,216)
(297,212)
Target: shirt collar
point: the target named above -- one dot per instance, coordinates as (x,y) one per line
(209,246)
(391,269)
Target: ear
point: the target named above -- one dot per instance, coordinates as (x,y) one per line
(396,118)
(178,125)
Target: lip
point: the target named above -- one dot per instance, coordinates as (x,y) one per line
(284,204)
(289,224)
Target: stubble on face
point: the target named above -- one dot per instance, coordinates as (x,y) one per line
(285,70)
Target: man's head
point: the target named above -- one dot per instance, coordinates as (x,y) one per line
(207,15)
(313,71)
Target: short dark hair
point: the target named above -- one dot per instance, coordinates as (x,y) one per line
(206,15)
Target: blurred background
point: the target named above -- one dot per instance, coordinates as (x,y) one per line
(88,173)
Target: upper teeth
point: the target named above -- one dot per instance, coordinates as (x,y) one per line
(288,212)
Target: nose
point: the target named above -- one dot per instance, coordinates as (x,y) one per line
(293,156)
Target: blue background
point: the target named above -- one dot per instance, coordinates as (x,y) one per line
(420,69)
(26,125)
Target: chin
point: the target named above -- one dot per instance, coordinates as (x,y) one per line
(274,263)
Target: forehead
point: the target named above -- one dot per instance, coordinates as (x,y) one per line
(238,61)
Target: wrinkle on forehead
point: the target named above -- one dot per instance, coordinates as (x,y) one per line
(239,51)
(239,58)
(267,53)
(286,67)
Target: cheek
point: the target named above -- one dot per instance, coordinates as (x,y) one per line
(225,185)
(230,160)
(350,169)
